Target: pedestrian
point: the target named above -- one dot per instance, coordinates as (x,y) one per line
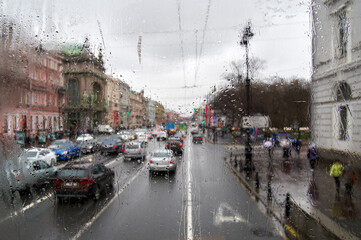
(298,146)
(350,178)
(312,156)
(336,172)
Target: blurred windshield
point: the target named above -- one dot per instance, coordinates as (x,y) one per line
(237,89)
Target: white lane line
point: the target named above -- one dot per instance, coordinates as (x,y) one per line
(189,197)
(94,218)
(27,207)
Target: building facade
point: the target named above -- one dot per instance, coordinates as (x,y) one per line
(137,112)
(85,82)
(39,97)
(151,112)
(336,79)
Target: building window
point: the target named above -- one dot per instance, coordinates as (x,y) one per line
(343,122)
(36,123)
(73,92)
(14,124)
(50,125)
(343,92)
(23,97)
(44,122)
(342,32)
(6,124)
(31,123)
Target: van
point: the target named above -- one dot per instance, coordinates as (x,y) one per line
(105,129)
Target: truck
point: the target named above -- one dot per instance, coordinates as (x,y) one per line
(105,129)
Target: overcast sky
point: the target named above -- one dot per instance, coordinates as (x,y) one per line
(170,58)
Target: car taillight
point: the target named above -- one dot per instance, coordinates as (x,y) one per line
(85,182)
(115,146)
(171,162)
(125,150)
(150,161)
(200,138)
(57,182)
(100,146)
(180,144)
(167,144)
(139,150)
(182,138)
(194,138)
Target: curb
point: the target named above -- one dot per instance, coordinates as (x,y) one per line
(328,224)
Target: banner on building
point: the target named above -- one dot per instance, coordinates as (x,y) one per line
(116,117)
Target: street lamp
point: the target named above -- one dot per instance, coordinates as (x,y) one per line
(246,36)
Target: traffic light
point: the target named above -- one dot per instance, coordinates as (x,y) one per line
(127,113)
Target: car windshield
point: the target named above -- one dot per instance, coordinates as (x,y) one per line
(236,91)
(161,155)
(70,173)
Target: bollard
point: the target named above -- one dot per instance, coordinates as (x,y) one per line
(288,206)
(257,181)
(269,191)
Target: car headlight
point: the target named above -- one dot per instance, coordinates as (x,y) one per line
(90,147)
(63,153)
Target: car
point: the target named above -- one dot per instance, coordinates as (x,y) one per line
(143,138)
(135,150)
(64,149)
(175,145)
(113,144)
(24,174)
(83,179)
(194,131)
(44,154)
(105,129)
(162,136)
(197,138)
(90,146)
(179,136)
(162,160)
(124,135)
(84,137)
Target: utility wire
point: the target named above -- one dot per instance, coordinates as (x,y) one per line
(202,43)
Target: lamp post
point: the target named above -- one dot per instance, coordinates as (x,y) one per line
(246,36)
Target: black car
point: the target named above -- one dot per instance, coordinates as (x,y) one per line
(197,138)
(83,179)
(175,145)
(89,146)
(113,144)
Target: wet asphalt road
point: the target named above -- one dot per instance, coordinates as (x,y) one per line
(202,200)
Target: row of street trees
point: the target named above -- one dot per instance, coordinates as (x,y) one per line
(285,101)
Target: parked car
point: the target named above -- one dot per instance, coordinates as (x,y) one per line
(135,150)
(44,154)
(23,174)
(175,145)
(65,149)
(84,137)
(162,160)
(161,136)
(197,138)
(83,180)
(113,144)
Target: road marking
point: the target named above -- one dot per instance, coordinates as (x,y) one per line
(94,218)
(27,207)
(189,196)
(234,216)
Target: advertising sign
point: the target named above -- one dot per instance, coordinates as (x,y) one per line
(42,136)
(20,138)
(255,122)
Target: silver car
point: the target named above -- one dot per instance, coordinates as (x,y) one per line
(162,160)
(135,150)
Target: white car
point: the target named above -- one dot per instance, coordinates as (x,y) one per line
(84,137)
(143,138)
(44,154)
(162,160)
(162,136)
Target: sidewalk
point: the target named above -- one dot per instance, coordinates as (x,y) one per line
(314,194)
